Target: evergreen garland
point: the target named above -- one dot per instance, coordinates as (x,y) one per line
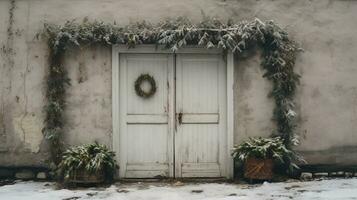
(279,54)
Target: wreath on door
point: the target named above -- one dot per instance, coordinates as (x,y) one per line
(138,86)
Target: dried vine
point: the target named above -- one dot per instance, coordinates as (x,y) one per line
(278,59)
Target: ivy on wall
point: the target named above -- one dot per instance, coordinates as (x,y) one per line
(279,54)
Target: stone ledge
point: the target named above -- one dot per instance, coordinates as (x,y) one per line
(25,173)
(308,172)
(316,168)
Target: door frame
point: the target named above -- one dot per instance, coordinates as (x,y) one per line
(150,49)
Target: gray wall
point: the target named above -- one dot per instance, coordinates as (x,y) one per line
(326,100)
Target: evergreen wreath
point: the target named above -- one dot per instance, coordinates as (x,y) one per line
(279,55)
(140,80)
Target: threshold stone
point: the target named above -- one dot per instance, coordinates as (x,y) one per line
(321,174)
(41,175)
(306,176)
(25,174)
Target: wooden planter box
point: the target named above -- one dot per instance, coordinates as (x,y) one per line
(258,169)
(83,176)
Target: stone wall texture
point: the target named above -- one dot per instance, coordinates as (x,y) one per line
(326,100)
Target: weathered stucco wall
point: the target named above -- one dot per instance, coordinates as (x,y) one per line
(89,108)
(326,100)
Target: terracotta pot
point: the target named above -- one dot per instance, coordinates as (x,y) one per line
(260,169)
(83,176)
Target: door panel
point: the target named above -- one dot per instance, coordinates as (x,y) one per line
(147,152)
(155,65)
(198,81)
(145,138)
(200,105)
(199,143)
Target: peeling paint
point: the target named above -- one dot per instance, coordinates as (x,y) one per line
(28,130)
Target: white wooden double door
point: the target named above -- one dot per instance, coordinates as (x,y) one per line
(181,130)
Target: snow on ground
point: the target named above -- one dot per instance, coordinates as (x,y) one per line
(316,190)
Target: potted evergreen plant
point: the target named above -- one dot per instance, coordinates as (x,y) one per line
(89,163)
(260,154)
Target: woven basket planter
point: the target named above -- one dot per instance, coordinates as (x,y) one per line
(85,177)
(258,169)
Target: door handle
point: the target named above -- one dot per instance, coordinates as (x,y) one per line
(179,117)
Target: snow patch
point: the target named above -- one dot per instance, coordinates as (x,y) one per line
(317,190)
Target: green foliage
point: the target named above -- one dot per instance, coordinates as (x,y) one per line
(267,148)
(279,53)
(90,157)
